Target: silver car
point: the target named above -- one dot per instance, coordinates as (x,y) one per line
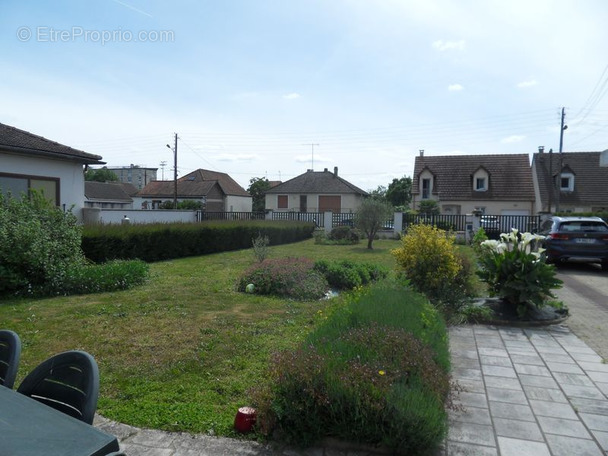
(576,238)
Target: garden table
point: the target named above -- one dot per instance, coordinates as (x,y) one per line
(29,428)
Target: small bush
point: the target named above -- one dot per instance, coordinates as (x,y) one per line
(429,259)
(260,247)
(345,234)
(293,278)
(99,278)
(346,275)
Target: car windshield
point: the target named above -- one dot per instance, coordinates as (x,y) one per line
(587,227)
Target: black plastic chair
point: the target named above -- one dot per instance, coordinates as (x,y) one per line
(68,382)
(10,352)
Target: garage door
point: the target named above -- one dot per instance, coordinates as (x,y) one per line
(330,203)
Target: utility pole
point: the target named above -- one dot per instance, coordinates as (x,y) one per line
(560,162)
(174,172)
(312,159)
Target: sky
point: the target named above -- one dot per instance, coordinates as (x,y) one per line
(272,88)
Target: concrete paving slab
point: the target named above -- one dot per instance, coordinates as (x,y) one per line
(560,426)
(570,446)
(511,411)
(518,429)
(518,447)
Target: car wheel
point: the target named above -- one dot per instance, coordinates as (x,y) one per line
(604,265)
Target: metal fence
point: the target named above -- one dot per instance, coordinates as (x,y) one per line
(315,217)
(232,215)
(444,221)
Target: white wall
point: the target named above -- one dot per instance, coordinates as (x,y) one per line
(349,202)
(239,203)
(94,215)
(70,174)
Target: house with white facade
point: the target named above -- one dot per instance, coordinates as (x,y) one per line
(31,162)
(571,181)
(497,184)
(315,191)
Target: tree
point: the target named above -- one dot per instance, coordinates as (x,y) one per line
(429,207)
(371,216)
(399,192)
(379,193)
(100,175)
(257,190)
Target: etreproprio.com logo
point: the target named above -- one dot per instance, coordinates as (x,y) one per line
(44,34)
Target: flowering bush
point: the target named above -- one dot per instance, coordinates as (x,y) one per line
(514,267)
(433,265)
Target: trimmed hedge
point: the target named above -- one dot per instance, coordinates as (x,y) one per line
(157,242)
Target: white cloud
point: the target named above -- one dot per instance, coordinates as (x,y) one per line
(526,84)
(291,96)
(441,45)
(455,87)
(513,139)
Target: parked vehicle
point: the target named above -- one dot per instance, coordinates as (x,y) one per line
(576,238)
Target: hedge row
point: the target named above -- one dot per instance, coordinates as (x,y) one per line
(158,242)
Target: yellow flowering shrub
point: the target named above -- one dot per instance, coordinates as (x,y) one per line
(429,259)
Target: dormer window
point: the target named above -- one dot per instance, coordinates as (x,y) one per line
(566,182)
(481,180)
(426,188)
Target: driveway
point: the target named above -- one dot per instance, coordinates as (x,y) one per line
(585,292)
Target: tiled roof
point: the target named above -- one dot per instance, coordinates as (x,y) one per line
(227,183)
(23,142)
(590,179)
(185,189)
(197,184)
(106,191)
(510,176)
(321,182)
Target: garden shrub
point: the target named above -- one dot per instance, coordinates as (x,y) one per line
(99,278)
(345,235)
(40,253)
(293,278)
(346,275)
(38,243)
(375,371)
(430,261)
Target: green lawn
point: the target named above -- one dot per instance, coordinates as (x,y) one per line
(180,352)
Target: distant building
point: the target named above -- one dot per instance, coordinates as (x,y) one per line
(216,191)
(135,175)
(315,191)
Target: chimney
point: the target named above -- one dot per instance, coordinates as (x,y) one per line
(422,152)
(335,171)
(309,170)
(325,170)
(541,149)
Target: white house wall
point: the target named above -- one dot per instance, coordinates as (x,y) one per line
(239,203)
(491,207)
(350,202)
(70,175)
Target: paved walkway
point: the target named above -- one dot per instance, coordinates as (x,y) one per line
(537,392)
